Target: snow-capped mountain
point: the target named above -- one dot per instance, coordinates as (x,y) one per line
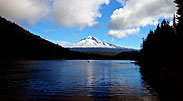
(93,45)
(92,42)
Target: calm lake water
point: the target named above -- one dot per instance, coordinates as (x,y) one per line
(73,79)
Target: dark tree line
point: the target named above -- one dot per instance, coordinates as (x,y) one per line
(164,46)
(179,17)
(131,55)
(161,57)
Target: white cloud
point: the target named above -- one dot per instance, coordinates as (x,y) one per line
(139,13)
(24,11)
(77,13)
(123,2)
(123,33)
(66,13)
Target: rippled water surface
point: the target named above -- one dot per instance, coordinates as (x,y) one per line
(73,79)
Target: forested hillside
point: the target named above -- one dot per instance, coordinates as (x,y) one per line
(17,43)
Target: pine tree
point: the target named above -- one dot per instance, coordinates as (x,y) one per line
(174,21)
(179,17)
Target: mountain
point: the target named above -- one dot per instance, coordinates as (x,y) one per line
(92,42)
(93,45)
(18,43)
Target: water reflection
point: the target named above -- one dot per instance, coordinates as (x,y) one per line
(73,79)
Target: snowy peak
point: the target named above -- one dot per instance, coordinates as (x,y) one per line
(92,37)
(92,42)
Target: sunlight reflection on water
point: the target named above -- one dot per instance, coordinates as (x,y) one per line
(73,79)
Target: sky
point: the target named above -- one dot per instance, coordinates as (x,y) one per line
(120,22)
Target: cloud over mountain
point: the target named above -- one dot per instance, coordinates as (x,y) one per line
(123,33)
(138,13)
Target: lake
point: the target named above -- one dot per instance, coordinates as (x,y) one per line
(73,80)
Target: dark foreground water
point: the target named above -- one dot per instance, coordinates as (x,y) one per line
(73,80)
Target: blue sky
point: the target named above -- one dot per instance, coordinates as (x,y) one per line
(120,22)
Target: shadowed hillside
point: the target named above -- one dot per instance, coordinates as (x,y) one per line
(17,43)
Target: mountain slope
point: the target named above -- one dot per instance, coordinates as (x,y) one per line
(93,45)
(91,42)
(17,43)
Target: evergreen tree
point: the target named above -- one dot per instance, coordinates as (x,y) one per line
(165,45)
(159,45)
(179,28)
(174,21)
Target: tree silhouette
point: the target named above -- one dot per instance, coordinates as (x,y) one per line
(161,56)
(174,21)
(179,27)
(164,46)
(159,44)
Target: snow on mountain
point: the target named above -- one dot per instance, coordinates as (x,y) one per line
(92,42)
